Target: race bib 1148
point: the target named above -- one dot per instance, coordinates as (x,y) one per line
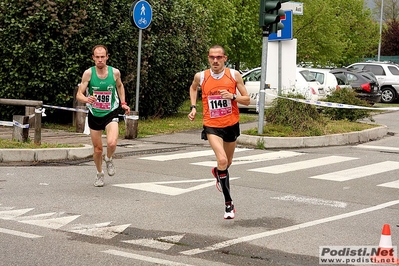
(218,106)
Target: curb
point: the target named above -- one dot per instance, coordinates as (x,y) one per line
(50,154)
(62,154)
(317,141)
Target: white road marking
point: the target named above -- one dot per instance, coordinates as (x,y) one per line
(290,167)
(158,187)
(185,155)
(143,258)
(313,201)
(101,230)
(18,233)
(11,214)
(162,243)
(362,146)
(35,217)
(358,172)
(255,158)
(53,223)
(393,184)
(288,229)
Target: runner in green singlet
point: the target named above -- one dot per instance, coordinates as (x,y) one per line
(105,93)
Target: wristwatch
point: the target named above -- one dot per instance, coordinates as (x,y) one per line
(193,106)
(234,97)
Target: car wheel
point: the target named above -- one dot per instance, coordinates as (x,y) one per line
(388,95)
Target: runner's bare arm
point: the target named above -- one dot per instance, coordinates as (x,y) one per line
(81,93)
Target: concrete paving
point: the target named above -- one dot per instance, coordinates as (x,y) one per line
(176,141)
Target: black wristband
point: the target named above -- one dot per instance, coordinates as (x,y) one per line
(193,106)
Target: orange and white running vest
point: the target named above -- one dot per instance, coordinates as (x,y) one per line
(218,112)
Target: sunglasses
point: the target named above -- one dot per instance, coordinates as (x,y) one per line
(218,57)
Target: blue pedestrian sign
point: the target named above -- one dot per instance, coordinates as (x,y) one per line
(141,13)
(286,32)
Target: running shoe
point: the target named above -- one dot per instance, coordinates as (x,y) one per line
(215,174)
(110,167)
(229,213)
(99,180)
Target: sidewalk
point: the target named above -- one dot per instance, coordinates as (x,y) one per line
(177,141)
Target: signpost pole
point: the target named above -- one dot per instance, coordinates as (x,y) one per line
(138,71)
(263,86)
(141,16)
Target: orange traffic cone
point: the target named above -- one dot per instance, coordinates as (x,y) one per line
(385,249)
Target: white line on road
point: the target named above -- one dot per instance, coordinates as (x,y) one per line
(143,258)
(185,155)
(256,158)
(314,201)
(288,229)
(358,172)
(290,167)
(377,147)
(18,233)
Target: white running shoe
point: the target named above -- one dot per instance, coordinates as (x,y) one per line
(110,167)
(229,213)
(99,180)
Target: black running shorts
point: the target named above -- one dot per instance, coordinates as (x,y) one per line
(99,123)
(228,134)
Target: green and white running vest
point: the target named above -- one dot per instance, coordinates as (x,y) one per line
(105,92)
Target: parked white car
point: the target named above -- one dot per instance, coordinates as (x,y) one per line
(305,85)
(328,80)
(252,83)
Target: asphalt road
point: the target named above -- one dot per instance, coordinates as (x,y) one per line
(163,208)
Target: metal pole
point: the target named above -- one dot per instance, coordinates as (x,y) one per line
(379,43)
(136,108)
(280,60)
(263,81)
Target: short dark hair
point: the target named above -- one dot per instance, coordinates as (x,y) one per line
(217,46)
(100,46)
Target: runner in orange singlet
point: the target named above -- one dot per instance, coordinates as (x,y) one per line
(220,115)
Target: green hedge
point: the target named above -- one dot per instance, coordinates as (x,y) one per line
(46,45)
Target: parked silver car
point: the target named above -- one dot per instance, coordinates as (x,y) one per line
(387,75)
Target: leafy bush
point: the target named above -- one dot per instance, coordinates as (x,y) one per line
(298,116)
(46,46)
(346,96)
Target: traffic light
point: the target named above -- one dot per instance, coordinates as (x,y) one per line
(270,13)
(278,26)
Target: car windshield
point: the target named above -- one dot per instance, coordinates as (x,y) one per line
(307,75)
(253,75)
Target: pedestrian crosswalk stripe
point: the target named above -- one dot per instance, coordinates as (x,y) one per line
(185,155)
(289,167)
(364,146)
(393,184)
(162,188)
(255,158)
(357,172)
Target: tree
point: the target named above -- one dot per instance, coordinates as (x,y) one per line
(234,25)
(390,9)
(390,39)
(334,32)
